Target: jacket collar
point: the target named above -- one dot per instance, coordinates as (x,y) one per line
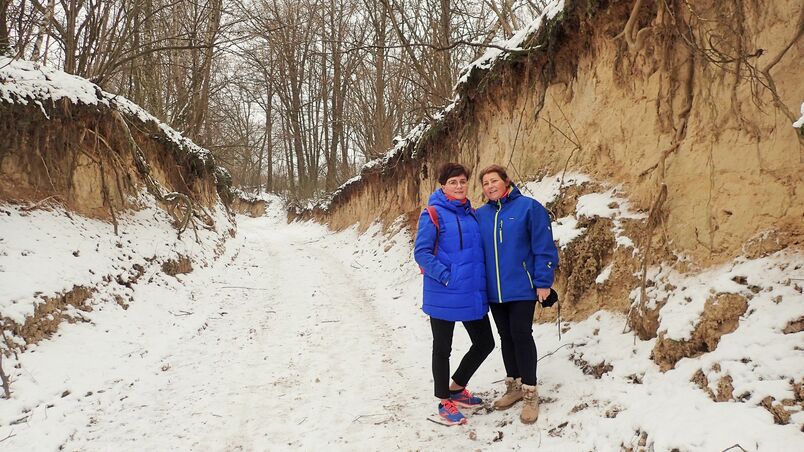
(439,198)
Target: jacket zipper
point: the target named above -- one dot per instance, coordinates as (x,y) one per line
(460,234)
(527,273)
(496,255)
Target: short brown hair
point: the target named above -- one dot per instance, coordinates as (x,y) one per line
(449,170)
(494,169)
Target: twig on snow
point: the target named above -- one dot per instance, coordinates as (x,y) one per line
(7,437)
(4,378)
(243,287)
(732,447)
(20,420)
(38,203)
(181,313)
(368,415)
(543,356)
(548,354)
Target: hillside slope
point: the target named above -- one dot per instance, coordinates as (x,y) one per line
(660,136)
(94,192)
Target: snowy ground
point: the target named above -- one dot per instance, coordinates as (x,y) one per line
(301,339)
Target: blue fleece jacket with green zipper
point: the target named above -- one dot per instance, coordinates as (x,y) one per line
(518,245)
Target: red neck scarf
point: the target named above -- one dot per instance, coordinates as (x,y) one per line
(450,198)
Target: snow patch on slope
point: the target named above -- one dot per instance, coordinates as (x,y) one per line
(47,251)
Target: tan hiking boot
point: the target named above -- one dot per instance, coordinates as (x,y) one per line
(513,394)
(530,409)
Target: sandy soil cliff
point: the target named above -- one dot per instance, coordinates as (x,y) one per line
(687,107)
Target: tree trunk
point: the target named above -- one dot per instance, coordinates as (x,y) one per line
(43,34)
(201,101)
(268,143)
(5,44)
(70,38)
(330,156)
(444,70)
(381,133)
(288,158)
(298,145)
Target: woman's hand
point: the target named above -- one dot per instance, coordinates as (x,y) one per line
(542,294)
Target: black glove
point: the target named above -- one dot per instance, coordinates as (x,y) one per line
(551,299)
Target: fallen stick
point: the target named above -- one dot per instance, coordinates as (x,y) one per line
(243,287)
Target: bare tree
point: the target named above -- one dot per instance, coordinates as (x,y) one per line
(5,43)
(290,94)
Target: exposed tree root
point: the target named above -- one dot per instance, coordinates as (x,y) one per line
(178,205)
(654,218)
(5,379)
(686,80)
(635,39)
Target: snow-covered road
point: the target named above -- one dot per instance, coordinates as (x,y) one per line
(280,344)
(298,338)
(293,354)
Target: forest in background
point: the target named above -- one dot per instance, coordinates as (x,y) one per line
(292,96)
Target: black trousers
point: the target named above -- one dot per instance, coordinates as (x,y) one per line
(514,322)
(482,345)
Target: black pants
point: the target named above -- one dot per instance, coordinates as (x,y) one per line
(514,322)
(482,345)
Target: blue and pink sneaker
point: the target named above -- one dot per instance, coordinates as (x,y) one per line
(449,413)
(465,399)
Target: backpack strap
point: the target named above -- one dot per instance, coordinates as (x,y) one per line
(431,210)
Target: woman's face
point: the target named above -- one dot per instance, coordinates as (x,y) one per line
(456,187)
(494,186)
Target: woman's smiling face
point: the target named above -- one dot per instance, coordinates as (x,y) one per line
(494,186)
(456,187)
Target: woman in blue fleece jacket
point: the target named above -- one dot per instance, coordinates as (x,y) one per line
(451,258)
(520,260)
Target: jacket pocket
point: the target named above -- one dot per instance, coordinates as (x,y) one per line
(452,275)
(530,280)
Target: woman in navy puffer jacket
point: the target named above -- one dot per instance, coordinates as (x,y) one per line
(520,260)
(451,259)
